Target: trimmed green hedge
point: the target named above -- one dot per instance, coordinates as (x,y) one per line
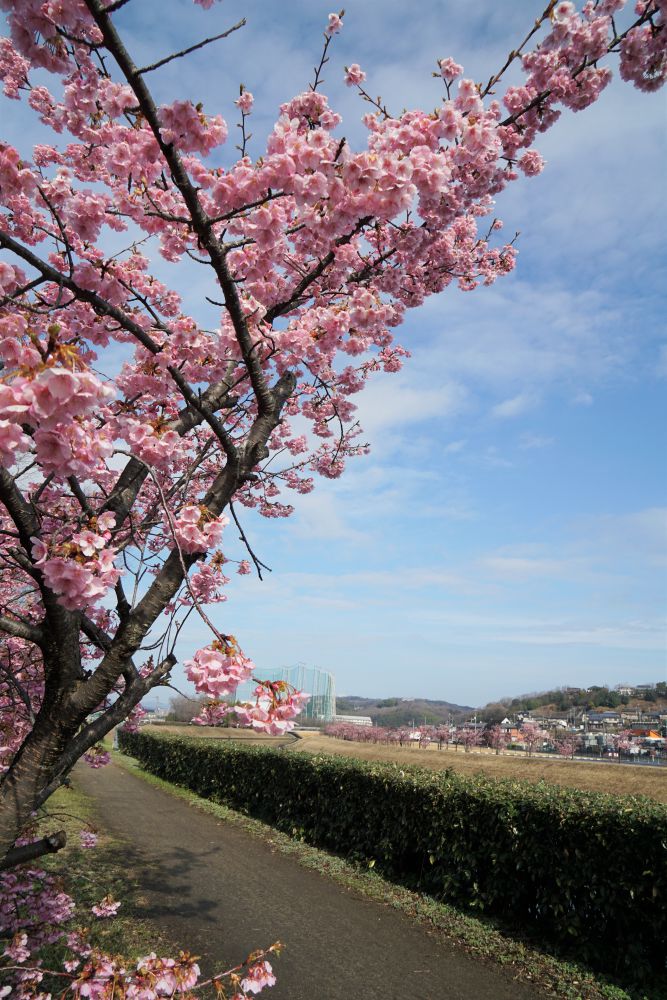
(581,870)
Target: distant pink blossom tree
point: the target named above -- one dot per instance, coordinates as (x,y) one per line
(497,738)
(425,737)
(532,735)
(622,742)
(567,745)
(468,736)
(443,735)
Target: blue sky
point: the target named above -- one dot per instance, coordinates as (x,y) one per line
(507,532)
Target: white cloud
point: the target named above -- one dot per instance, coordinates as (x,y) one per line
(522,332)
(510,568)
(323,515)
(649,636)
(515,407)
(528,441)
(401,400)
(493,459)
(454,447)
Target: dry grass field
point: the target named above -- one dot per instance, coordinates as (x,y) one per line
(221,733)
(618,779)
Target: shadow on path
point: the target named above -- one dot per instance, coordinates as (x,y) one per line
(222,893)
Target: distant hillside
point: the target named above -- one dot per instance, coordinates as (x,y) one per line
(394,712)
(402,711)
(566,699)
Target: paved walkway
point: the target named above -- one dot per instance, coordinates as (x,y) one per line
(221,893)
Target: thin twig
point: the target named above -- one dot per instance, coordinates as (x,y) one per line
(325,59)
(259,565)
(191,48)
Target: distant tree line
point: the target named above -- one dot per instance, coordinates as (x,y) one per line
(565,699)
(397,712)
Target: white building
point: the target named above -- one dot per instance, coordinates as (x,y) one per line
(355,720)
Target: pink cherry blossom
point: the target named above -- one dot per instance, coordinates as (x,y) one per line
(334,25)
(196,531)
(187,127)
(131,724)
(449,69)
(531,163)
(245,102)
(107,907)
(17,949)
(218,671)
(354,75)
(257,977)
(12,442)
(97,756)
(213,714)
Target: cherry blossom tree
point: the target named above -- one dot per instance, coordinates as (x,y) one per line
(443,734)
(118,478)
(567,746)
(468,736)
(532,735)
(497,738)
(622,742)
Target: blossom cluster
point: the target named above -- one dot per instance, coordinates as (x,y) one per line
(196,530)
(96,756)
(82,569)
(218,669)
(59,406)
(275,708)
(35,912)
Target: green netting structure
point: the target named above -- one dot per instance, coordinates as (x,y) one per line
(319,684)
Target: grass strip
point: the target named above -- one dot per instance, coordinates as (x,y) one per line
(87,875)
(479,937)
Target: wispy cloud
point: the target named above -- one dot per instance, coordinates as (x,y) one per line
(582,399)
(404,400)
(516,406)
(529,442)
(507,567)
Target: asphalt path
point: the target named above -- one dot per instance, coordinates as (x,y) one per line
(221,893)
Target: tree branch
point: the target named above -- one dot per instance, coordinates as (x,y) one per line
(133,476)
(192,48)
(97,636)
(18,509)
(103,724)
(21,630)
(202,223)
(287,304)
(28,852)
(259,565)
(105,308)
